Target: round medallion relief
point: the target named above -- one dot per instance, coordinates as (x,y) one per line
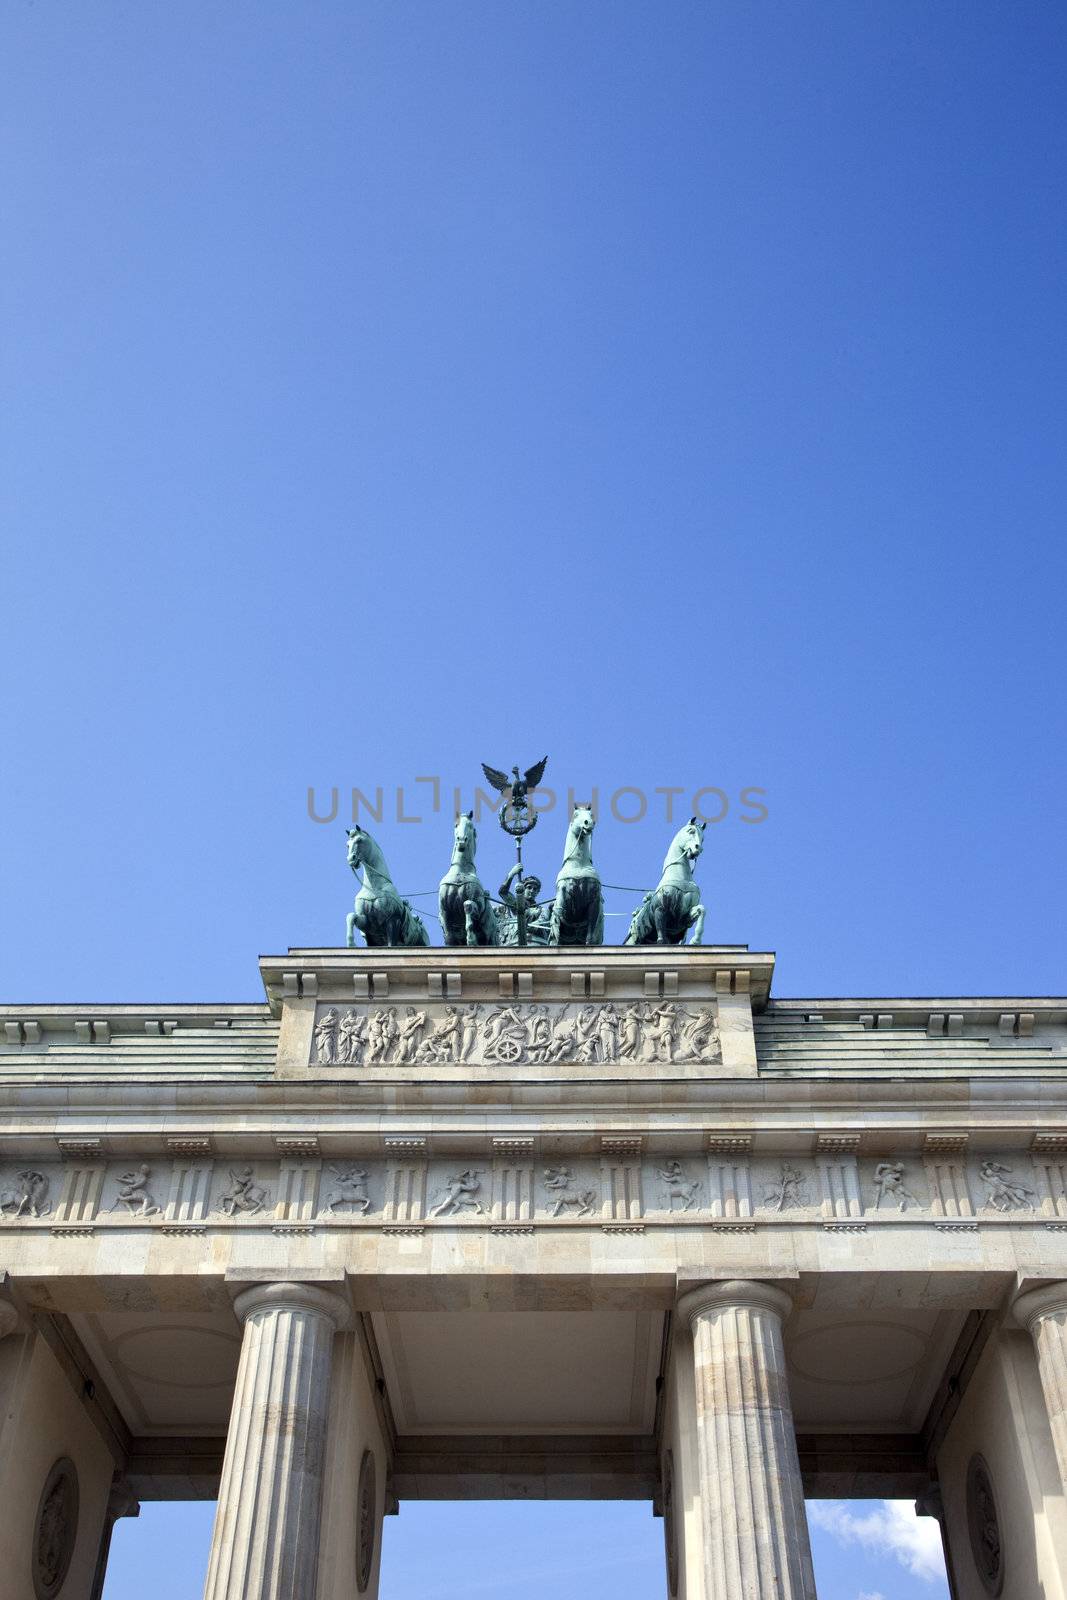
(366,1509)
(55,1529)
(983,1524)
(670,1527)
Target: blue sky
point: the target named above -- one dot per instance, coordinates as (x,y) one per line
(677,389)
(610,1550)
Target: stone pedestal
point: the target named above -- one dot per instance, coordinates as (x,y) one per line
(754,1532)
(1044,1313)
(266,1539)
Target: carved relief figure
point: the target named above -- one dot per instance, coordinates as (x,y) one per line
(788,1191)
(564,1039)
(382,1032)
(133,1193)
(350,1190)
(560,1183)
(409,1033)
(1006,1193)
(29,1197)
(350,1034)
(469,1022)
(244,1194)
(679,1186)
(889,1181)
(607,1033)
(586,1034)
(696,1041)
(538,1033)
(657,1032)
(326,1038)
(505,1036)
(441,1044)
(461,1190)
(630,1033)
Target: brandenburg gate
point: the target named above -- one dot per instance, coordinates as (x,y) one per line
(541,1220)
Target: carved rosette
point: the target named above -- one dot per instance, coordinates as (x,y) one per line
(366,1509)
(55,1530)
(983,1525)
(670,1524)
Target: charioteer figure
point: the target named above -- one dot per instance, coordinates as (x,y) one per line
(524,921)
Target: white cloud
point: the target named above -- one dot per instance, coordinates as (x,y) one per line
(891,1528)
(870,1594)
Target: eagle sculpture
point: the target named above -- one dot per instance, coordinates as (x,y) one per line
(516,786)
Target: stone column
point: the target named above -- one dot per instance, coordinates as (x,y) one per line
(754,1529)
(266,1538)
(1043,1312)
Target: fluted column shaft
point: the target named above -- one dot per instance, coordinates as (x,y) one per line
(755,1532)
(265,1544)
(1044,1313)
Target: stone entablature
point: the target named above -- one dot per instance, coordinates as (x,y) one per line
(830,1185)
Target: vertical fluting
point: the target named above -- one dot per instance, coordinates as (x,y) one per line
(1044,1313)
(265,1544)
(754,1529)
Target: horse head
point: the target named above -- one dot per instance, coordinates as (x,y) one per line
(687,844)
(580,833)
(465,837)
(582,822)
(358,840)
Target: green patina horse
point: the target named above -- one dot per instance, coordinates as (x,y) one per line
(380,913)
(464,908)
(667,913)
(578,910)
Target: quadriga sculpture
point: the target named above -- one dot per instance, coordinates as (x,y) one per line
(464,907)
(380,914)
(668,912)
(578,911)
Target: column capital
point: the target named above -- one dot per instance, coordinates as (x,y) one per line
(1033,1304)
(750,1293)
(306,1297)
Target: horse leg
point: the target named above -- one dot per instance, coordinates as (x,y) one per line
(444,915)
(350,930)
(659,917)
(595,930)
(696,922)
(469,926)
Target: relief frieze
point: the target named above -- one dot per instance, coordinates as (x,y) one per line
(835,1189)
(511,1035)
